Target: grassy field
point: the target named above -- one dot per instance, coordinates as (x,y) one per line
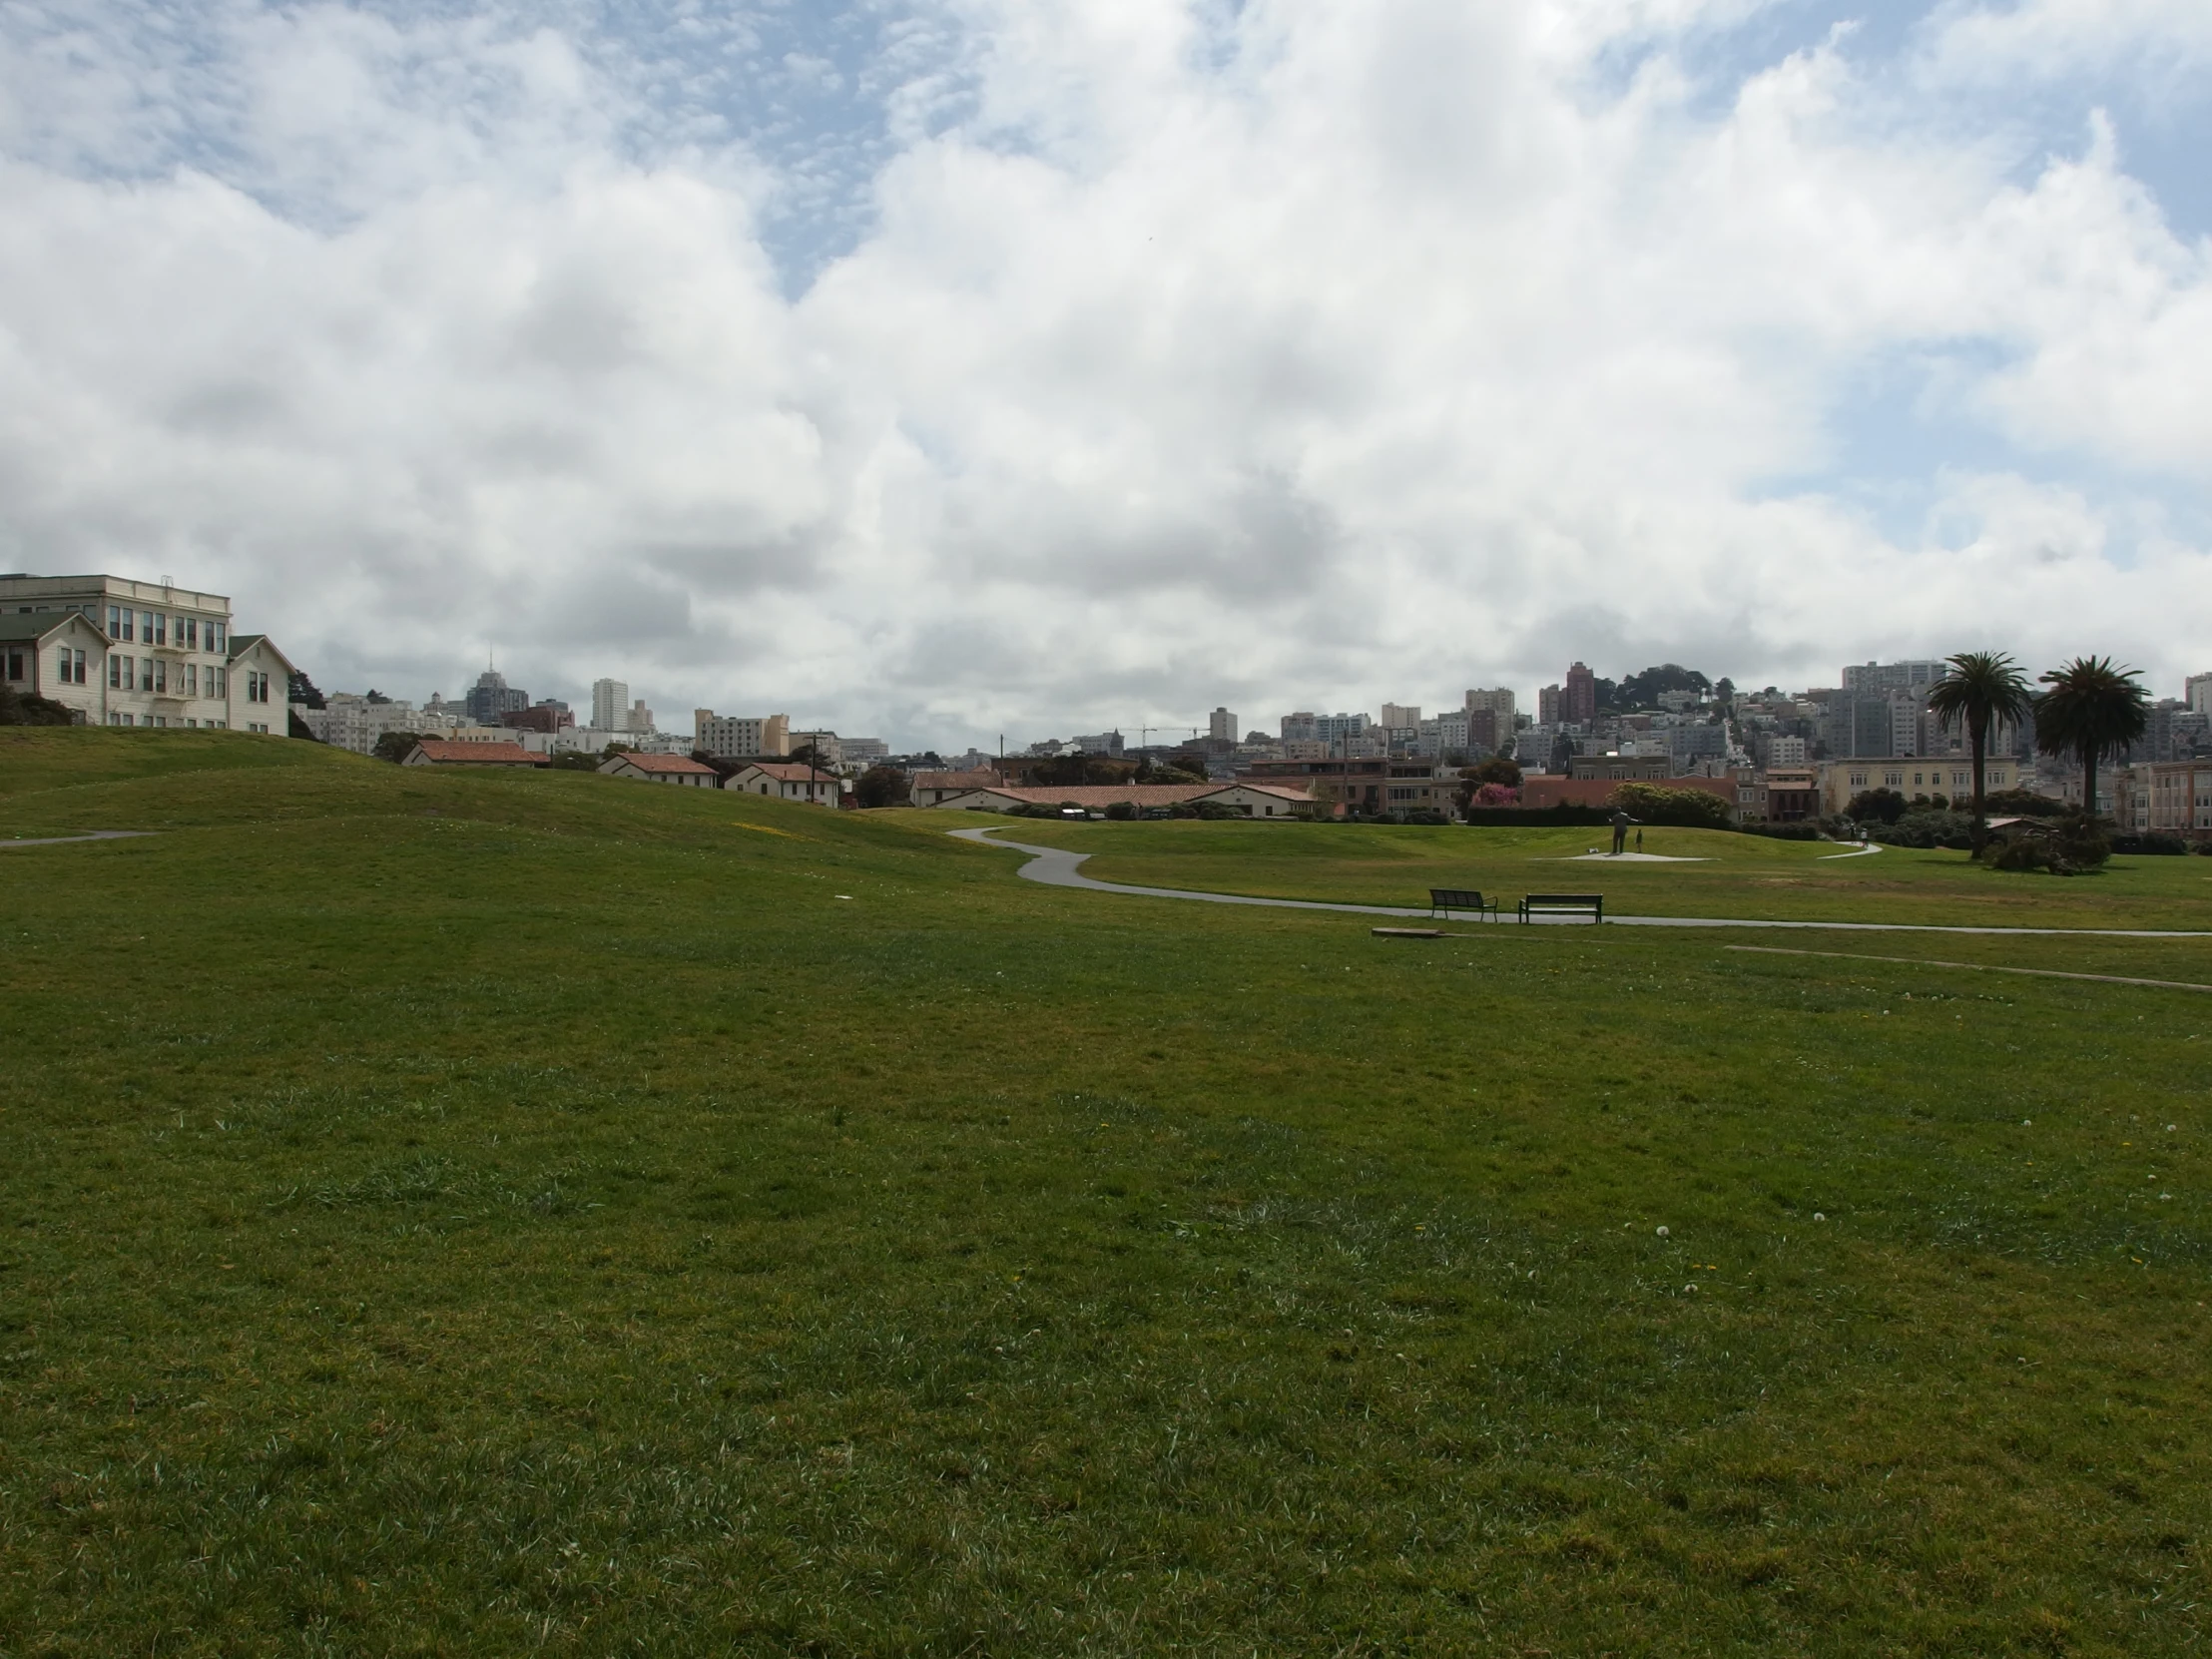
(1727,873)
(548,1214)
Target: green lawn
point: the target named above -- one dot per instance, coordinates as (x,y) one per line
(546,1214)
(1732,875)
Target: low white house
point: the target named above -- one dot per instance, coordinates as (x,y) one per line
(679,770)
(784,780)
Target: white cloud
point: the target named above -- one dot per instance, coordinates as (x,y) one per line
(1316,353)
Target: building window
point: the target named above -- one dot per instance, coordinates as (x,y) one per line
(15,664)
(190,627)
(161,674)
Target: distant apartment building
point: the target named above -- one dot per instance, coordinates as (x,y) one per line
(1688,742)
(1220,726)
(1445,735)
(1578,699)
(153,653)
(1400,716)
(2196,691)
(1915,777)
(1548,706)
(1790,795)
(1498,702)
(351,721)
(2172,797)
(1109,744)
(1368,783)
(1778,751)
(1298,727)
(865,751)
(1642,769)
(741,737)
(2175,732)
(1873,724)
(1868,679)
(610,706)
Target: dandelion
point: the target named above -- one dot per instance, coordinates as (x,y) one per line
(1817,1216)
(1662,1232)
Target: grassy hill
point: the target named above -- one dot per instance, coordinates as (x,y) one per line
(543,1213)
(1723,873)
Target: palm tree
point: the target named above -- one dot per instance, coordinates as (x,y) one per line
(1984,689)
(2091,710)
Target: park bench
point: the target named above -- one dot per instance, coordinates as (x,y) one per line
(1443,900)
(1591,905)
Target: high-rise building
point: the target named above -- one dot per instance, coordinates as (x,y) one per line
(1578,702)
(1299,728)
(1873,679)
(1398,716)
(1548,706)
(1221,727)
(610,706)
(640,718)
(739,738)
(1498,701)
(2196,691)
(492,697)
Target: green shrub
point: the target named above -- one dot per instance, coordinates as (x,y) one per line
(1685,809)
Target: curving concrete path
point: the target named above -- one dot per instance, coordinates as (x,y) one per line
(1057,867)
(92,835)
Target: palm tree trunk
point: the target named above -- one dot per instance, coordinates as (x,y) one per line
(2090,782)
(1977,734)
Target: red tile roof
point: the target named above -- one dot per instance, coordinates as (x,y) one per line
(680,765)
(446,752)
(792,771)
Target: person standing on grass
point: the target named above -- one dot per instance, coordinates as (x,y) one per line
(1621,822)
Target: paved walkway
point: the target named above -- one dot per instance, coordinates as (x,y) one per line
(94,835)
(1057,867)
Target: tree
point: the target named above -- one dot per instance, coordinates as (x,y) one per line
(1876,807)
(393,746)
(2091,710)
(1641,691)
(882,786)
(1497,770)
(302,690)
(297,728)
(1983,688)
(1655,803)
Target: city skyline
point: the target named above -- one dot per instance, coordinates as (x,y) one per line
(937,368)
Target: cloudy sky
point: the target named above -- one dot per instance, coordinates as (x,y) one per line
(937,367)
